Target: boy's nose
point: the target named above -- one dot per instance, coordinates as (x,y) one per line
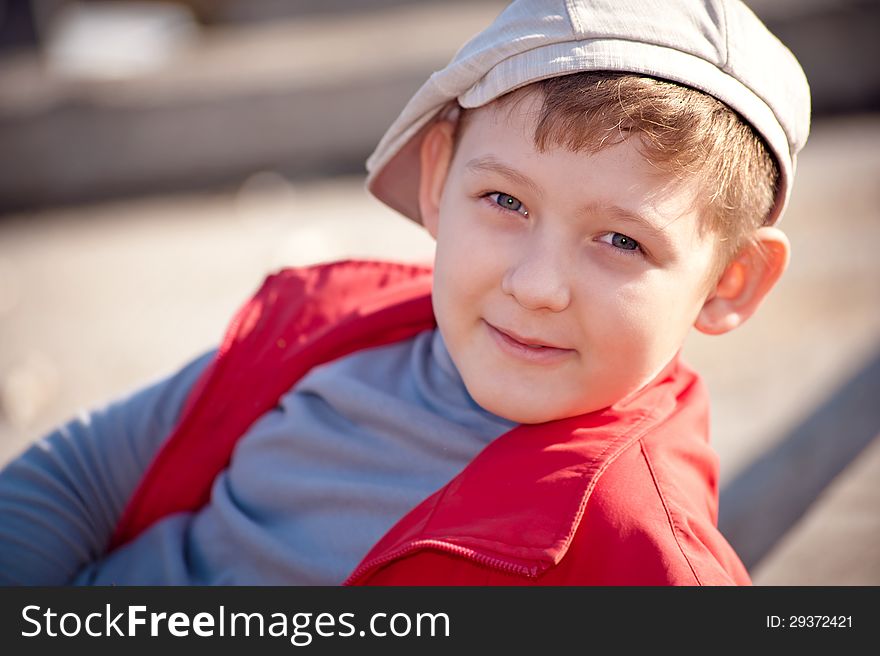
(538,281)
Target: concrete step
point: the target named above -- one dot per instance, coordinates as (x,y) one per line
(837,541)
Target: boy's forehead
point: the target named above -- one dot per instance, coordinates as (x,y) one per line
(516,114)
(513,120)
(615,180)
(496,136)
(509,125)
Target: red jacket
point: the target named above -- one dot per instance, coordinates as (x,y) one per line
(622,496)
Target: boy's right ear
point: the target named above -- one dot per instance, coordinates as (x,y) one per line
(434,158)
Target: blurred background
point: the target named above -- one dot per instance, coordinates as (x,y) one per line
(158,159)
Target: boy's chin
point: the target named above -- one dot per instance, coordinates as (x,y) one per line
(521,411)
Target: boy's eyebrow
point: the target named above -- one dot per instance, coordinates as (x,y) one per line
(659,231)
(493,165)
(623,215)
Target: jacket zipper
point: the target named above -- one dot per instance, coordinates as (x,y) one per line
(470,554)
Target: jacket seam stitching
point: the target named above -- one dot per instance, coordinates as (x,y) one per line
(666,509)
(625,441)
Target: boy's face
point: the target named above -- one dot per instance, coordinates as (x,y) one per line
(564,281)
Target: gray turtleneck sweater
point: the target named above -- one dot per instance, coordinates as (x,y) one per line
(312,485)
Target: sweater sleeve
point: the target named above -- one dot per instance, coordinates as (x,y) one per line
(60,500)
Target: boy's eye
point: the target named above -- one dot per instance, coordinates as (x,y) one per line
(624,242)
(621,241)
(509,203)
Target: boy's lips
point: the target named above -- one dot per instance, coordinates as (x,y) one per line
(531,349)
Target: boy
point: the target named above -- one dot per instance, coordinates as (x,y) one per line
(520,415)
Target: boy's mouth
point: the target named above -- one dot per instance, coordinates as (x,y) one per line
(532,349)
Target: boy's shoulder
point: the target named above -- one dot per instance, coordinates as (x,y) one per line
(652,515)
(339,283)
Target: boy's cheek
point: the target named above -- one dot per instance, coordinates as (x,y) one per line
(466,269)
(626,341)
